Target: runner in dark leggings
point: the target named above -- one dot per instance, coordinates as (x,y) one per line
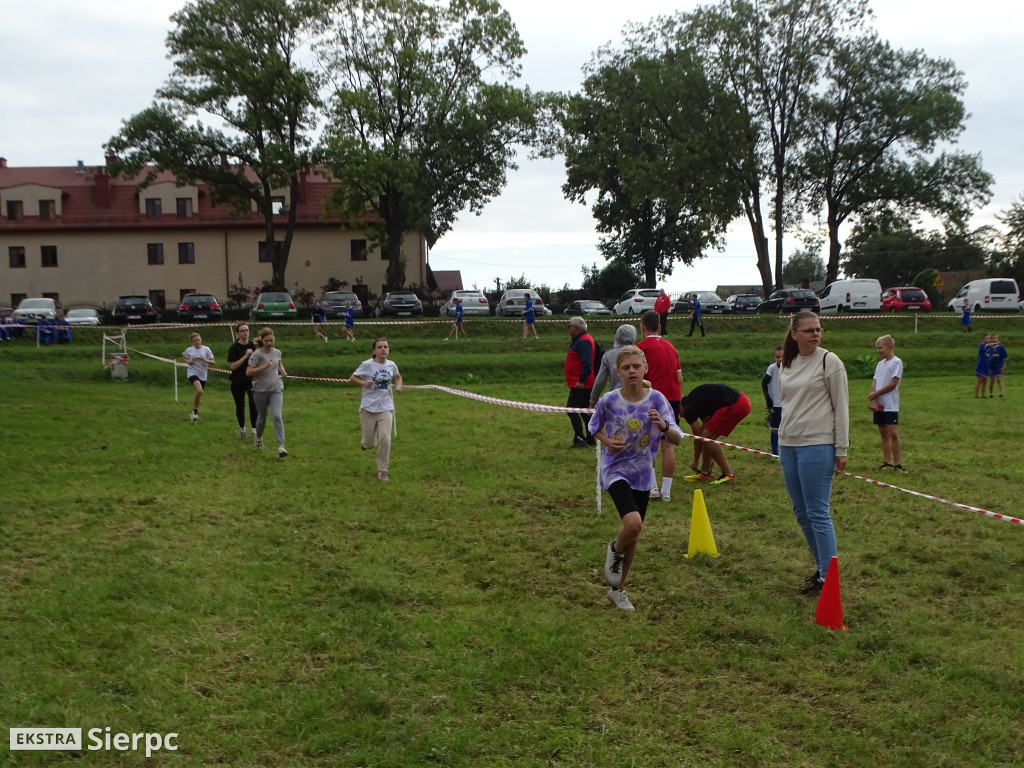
(241,385)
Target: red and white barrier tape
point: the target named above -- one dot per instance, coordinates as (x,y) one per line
(542,408)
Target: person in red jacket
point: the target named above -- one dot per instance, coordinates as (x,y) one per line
(663,305)
(579,377)
(666,376)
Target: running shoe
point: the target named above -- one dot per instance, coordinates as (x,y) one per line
(724,479)
(702,476)
(613,565)
(620,599)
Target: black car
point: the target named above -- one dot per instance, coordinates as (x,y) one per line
(586,307)
(790,300)
(333,303)
(710,304)
(400,304)
(133,309)
(199,306)
(743,303)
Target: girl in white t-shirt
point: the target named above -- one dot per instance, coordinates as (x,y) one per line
(377,408)
(884,400)
(198,357)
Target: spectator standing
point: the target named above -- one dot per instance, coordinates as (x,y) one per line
(241,384)
(579,378)
(981,368)
(267,372)
(666,376)
(198,358)
(884,401)
(718,408)
(997,357)
(663,305)
(696,318)
(813,437)
(772,398)
(377,406)
(607,374)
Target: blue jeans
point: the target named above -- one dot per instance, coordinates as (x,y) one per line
(808,471)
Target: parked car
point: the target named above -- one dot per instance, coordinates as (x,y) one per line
(400,304)
(273,305)
(473,303)
(199,306)
(133,309)
(789,300)
(743,303)
(904,299)
(858,295)
(32,311)
(710,303)
(636,301)
(513,302)
(333,303)
(82,317)
(990,294)
(585,307)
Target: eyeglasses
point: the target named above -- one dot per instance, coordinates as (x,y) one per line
(808,330)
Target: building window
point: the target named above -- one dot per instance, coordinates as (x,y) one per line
(186,253)
(265,255)
(16,253)
(49,255)
(54,296)
(154,253)
(184,207)
(47,209)
(15,210)
(358,250)
(157,299)
(277,206)
(17,298)
(154,208)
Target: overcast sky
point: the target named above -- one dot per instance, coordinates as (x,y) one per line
(74,70)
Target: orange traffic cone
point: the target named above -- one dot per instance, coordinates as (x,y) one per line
(701,537)
(829,612)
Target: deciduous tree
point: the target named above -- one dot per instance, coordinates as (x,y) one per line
(237,111)
(424,119)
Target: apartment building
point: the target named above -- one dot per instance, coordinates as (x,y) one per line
(81,236)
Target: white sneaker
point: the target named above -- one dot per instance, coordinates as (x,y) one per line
(193,417)
(620,599)
(655,493)
(257,442)
(281,452)
(324,338)
(241,433)
(613,565)
(666,497)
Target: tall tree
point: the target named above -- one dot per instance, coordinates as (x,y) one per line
(651,137)
(769,54)
(236,63)
(424,121)
(1008,260)
(871,129)
(803,265)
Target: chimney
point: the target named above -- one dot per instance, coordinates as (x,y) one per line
(102,181)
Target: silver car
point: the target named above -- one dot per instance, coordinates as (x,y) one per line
(513,303)
(33,311)
(82,317)
(473,303)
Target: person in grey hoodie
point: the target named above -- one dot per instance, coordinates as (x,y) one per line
(606,376)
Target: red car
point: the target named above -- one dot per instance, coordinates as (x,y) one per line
(905,299)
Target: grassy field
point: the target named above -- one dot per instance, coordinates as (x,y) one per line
(158,576)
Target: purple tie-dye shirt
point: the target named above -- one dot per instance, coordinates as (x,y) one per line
(617,416)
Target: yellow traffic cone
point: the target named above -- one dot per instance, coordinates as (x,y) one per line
(701,537)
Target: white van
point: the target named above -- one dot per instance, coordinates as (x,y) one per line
(861,295)
(992,294)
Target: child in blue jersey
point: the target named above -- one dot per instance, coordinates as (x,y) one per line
(350,321)
(773,398)
(965,318)
(457,322)
(981,367)
(319,317)
(629,422)
(529,319)
(997,357)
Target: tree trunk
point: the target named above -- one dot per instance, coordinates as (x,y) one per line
(834,246)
